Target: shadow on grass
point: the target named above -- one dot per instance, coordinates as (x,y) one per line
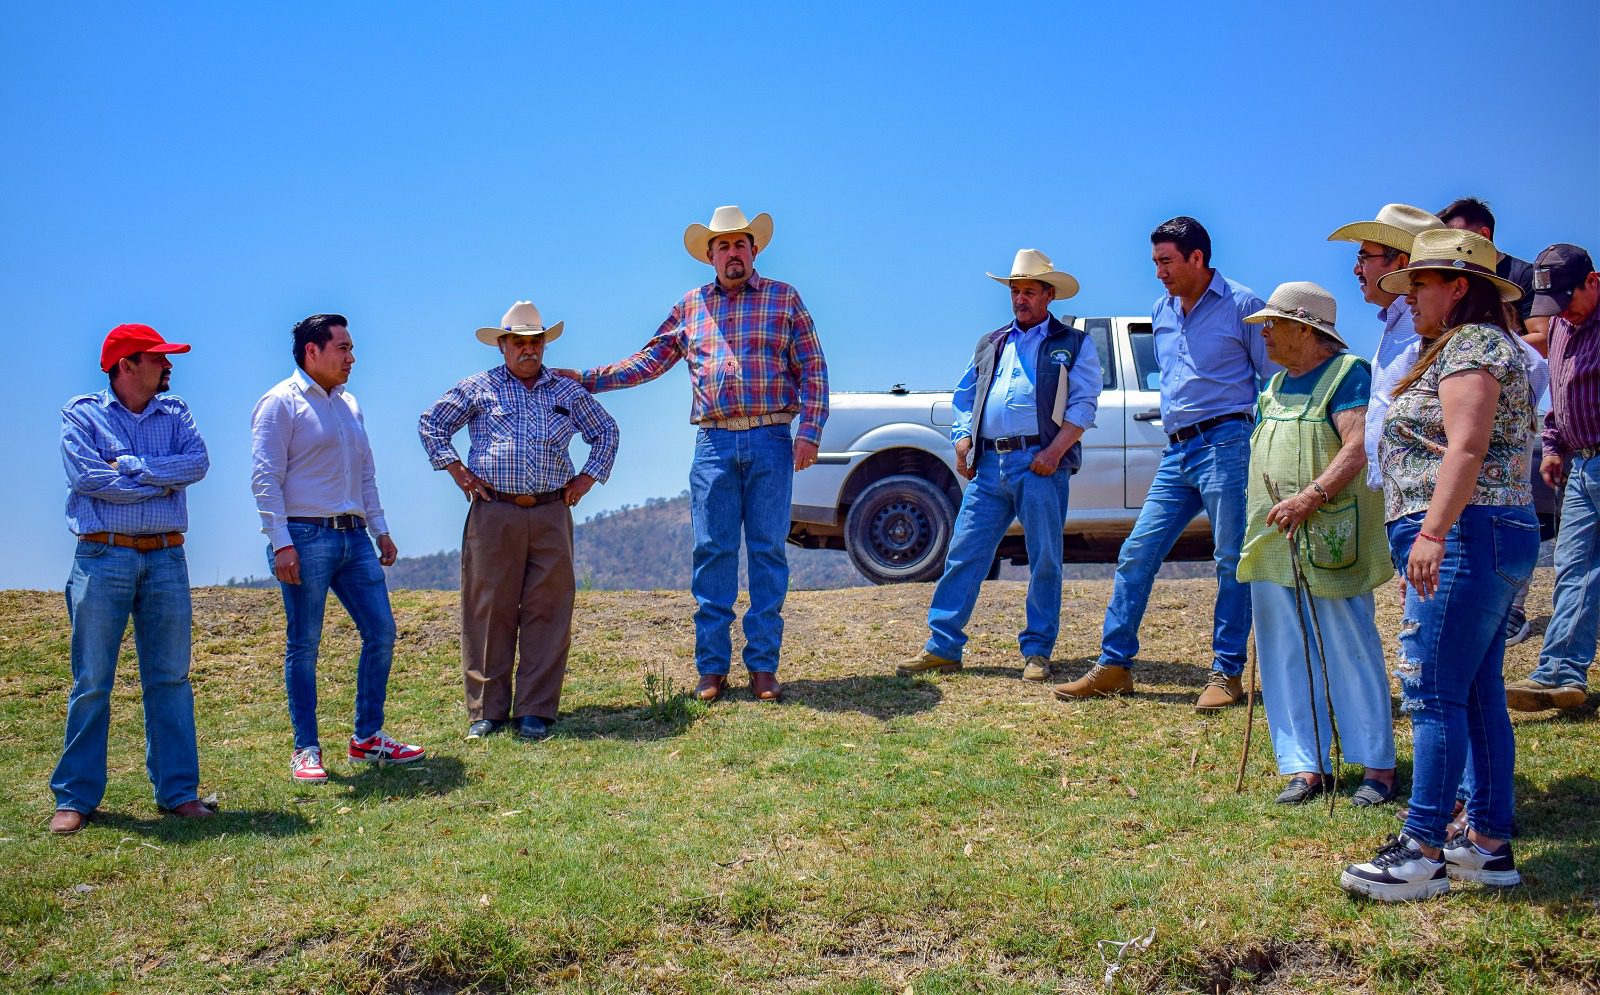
(234,822)
(672,716)
(879,695)
(1565,816)
(433,777)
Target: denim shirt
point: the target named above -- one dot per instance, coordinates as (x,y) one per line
(1211,362)
(158,454)
(1011,410)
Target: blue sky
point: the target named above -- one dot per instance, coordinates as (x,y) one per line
(221,170)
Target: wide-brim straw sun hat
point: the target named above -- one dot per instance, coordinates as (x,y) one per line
(1031,264)
(1397,226)
(522,319)
(726,221)
(1306,303)
(1456,251)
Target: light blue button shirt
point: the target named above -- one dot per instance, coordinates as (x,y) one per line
(1011,409)
(1211,362)
(157,453)
(1398,349)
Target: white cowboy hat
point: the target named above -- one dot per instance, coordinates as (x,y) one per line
(1031,264)
(726,221)
(1456,251)
(1306,303)
(1396,227)
(522,319)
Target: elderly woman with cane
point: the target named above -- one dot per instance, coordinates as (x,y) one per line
(1454,457)
(1307,480)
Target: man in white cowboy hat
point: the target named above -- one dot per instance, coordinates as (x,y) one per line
(517,586)
(1027,397)
(317,493)
(755,367)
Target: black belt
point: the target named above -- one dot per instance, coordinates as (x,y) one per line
(1016,443)
(530,500)
(1190,431)
(340,522)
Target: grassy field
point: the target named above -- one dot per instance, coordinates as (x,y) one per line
(871,834)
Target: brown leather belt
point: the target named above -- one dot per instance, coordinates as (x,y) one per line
(531,500)
(144,544)
(746,422)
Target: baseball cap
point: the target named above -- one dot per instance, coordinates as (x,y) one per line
(1557,272)
(128,340)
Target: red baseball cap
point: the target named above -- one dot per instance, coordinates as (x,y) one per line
(128,340)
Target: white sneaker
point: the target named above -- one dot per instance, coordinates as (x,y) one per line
(1397,873)
(1463,861)
(307,765)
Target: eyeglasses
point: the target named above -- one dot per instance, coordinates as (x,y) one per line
(1362,257)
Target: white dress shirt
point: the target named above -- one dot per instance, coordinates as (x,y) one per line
(311,458)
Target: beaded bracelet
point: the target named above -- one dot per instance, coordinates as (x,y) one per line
(1318,488)
(1424,535)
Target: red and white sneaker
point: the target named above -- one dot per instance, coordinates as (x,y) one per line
(379,748)
(307,765)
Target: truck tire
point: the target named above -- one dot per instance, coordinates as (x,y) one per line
(898,530)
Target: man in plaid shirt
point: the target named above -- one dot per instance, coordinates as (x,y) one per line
(755,367)
(517,585)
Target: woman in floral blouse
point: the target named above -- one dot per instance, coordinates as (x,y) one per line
(1463,534)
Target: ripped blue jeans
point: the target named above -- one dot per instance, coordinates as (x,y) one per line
(1452,647)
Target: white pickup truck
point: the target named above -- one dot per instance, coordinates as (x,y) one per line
(885,487)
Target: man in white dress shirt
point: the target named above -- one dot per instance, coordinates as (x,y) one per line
(318,497)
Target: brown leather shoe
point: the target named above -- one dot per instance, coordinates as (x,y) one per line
(67,821)
(1221,691)
(711,687)
(1099,682)
(1036,668)
(196,809)
(1529,695)
(764,686)
(927,663)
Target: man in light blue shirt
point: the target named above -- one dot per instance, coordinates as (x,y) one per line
(1021,408)
(1212,367)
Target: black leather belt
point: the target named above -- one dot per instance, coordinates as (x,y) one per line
(341,522)
(1016,443)
(1190,431)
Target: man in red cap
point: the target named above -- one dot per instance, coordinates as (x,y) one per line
(131,450)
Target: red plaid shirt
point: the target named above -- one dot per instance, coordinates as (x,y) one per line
(754,352)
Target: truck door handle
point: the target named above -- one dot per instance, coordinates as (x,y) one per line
(1154,414)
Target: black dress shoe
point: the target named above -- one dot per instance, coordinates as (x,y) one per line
(485,727)
(532,727)
(1301,791)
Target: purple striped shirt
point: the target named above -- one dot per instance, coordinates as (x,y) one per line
(1574,419)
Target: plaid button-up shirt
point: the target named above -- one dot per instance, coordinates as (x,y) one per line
(520,434)
(158,453)
(754,352)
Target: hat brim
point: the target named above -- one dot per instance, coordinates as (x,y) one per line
(1268,313)
(1397,239)
(697,238)
(1549,305)
(1066,284)
(1399,282)
(491,335)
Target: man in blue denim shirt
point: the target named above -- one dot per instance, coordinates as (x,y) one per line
(1026,399)
(1212,367)
(130,451)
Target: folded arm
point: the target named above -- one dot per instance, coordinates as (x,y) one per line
(89,472)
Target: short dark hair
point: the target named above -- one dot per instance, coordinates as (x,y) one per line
(1474,213)
(315,330)
(1187,234)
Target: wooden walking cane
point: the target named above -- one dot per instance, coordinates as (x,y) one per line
(1249,716)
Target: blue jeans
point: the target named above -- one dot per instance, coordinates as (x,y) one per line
(106,586)
(740,482)
(1003,491)
(1569,642)
(344,561)
(1207,471)
(1452,648)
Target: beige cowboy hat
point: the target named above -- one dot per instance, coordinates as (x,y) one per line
(522,319)
(1456,251)
(726,221)
(1397,225)
(1306,303)
(1031,264)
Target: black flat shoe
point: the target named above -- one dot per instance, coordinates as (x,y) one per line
(532,727)
(1372,793)
(1300,791)
(485,727)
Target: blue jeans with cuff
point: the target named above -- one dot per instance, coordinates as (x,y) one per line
(1569,642)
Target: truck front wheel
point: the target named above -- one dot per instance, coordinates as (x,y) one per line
(898,530)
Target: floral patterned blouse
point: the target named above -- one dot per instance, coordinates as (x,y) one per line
(1413,443)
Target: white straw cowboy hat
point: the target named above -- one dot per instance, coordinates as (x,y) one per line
(522,319)
(1458,252)
(1306,303)
(726,221)
(1031,264)
(1397,225)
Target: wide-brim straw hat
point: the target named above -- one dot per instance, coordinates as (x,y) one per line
(1397,226)
(726,221)
(1306,303)
(1031,264)
(522,319)
(1456,251)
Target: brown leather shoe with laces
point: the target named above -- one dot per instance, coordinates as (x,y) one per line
(1099,682)
(1221,691)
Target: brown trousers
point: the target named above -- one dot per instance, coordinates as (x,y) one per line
(517,590)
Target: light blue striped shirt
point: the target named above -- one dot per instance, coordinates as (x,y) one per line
(157,454)
(1011,409)
(1398,349)
(1212,363)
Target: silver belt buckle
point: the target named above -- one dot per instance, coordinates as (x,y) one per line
(1003,446)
